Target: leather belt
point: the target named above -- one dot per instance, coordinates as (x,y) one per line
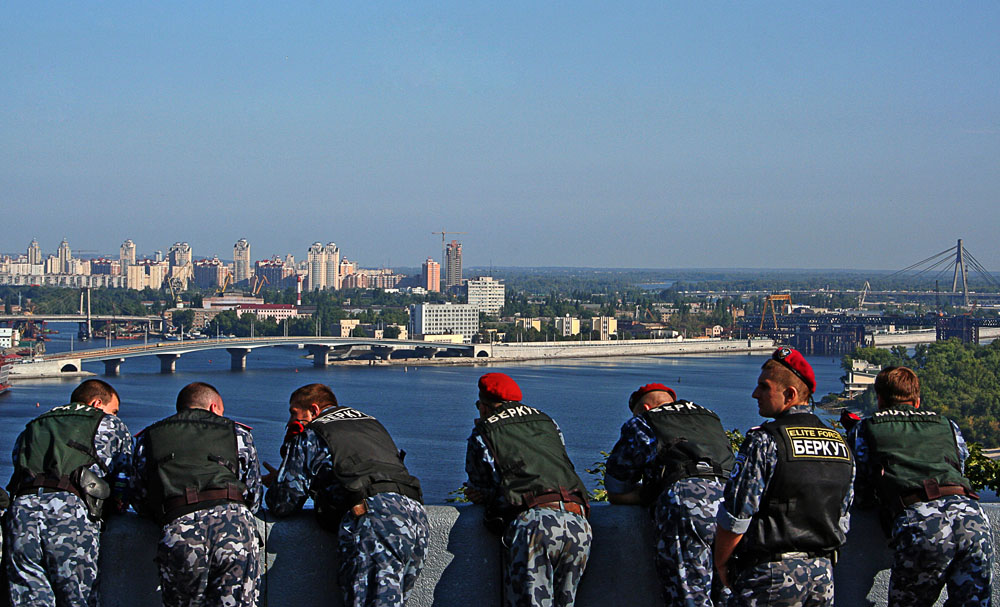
(921,496)
(193,497)
(565,506)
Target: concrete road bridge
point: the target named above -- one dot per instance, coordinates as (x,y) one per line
(239,347)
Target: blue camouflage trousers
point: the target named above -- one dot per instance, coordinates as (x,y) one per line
(382,551)
(546,554)
(943,541)
(793,582)
(210,557)
(53,550)
(684,518)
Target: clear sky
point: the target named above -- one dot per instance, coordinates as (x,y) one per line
(627,134)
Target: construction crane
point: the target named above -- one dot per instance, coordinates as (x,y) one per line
(259,282)
(770,302)
(225,284)
(444,243)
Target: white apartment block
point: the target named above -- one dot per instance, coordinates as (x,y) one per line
(486,294)
(444,319)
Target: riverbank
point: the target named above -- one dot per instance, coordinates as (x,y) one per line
(485,354)
(924,336)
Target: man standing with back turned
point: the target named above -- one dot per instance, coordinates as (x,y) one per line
(674,457)
(910,461)
(518,468)
(784,513)
(196,473)
(348,464)
(63,464)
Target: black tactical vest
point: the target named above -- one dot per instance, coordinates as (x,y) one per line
(365,459)
(690,442)
(192,463)
(800,512)
(54,445)
(912,447)
(530,457)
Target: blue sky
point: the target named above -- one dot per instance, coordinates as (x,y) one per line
(781,134)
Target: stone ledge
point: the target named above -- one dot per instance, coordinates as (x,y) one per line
(463,564)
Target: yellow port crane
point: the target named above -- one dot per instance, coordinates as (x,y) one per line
(258,283)
(769,302)
(225,285)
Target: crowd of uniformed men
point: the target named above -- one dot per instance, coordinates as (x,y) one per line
(761,528)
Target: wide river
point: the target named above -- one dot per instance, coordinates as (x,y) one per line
(428,410)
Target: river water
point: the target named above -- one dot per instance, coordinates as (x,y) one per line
(428,410)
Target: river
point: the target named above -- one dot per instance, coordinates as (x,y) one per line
(428,410)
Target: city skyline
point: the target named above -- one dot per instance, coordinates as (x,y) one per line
(735,136)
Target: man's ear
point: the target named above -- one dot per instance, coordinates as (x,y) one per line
(314,410)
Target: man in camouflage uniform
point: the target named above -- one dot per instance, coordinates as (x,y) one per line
(369,497)
(518,468)
(910,462)
(196,473)
(53,538)
(671,457)
(781,555)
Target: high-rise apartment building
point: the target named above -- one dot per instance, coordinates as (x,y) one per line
(453,264)
(241,260)
(127,253)
(64,255)
(101,266)
(486,294)
(209,273)
(430,275)
(347,268)
(34,253)
(146,273)
(276,271)
(323,262)
(179,254)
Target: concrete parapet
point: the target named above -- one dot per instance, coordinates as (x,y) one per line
(463,563)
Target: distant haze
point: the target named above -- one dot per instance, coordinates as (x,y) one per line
(635,134)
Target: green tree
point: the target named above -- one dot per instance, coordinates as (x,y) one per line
(183,318)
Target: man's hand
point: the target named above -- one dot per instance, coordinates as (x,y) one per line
(269,479)
(474,495)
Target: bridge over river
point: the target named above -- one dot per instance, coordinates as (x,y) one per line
(239,347)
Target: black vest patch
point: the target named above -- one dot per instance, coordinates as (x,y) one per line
(812,443)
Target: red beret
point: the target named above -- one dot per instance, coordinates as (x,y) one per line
(646,390)
(500,386)
(793,360)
